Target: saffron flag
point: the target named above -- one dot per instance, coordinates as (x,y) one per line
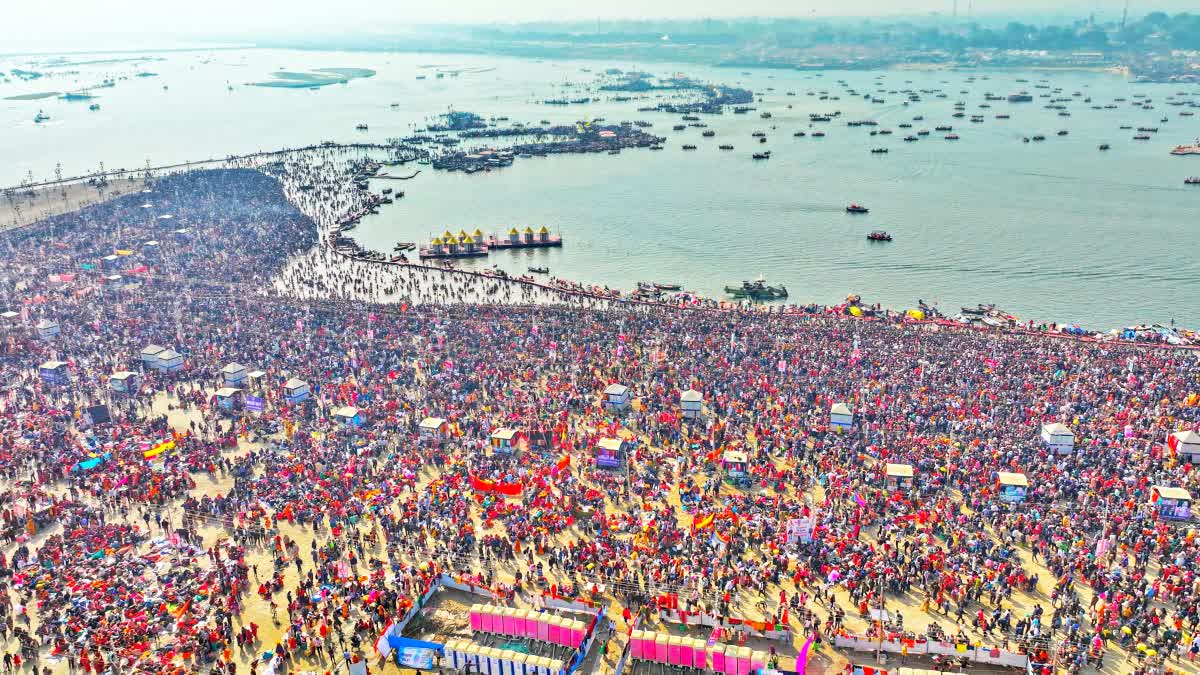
(159,449)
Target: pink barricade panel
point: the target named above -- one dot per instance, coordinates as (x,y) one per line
(543,627)
(577,632)
(699,654)
(743,662)
(510,623)
(476,619)
(487,620)
(662,650)
(556,632)
(673,656)
(529,624)
(686,658)
(718,659)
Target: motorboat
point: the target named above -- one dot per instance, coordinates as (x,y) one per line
(879,235)
(856,208)
(757,290)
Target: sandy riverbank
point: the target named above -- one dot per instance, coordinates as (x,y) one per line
(24,207)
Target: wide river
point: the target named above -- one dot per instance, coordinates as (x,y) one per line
(1053,230)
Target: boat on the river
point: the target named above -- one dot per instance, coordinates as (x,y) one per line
(540,270)
(857,208)
(879,235)
(757,290)
(1194,180)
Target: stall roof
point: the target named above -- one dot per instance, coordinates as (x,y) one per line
(255,374)
(901,470)
(10,314)
(610,443)
(432,423)
(734,456)
(46,323)
(1173,493)
(1018,479)
(122,375)
(1057,429)
(1188,437)
(169,354)
(346,411)
(51,365)
(294,383)
(505,434)
(226,392)
(691,396)
(233,368)
(153,350)
(615,389)
(840,409)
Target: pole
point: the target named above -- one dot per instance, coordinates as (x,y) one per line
(879,644)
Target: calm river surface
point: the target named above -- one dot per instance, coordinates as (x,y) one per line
(1055,231)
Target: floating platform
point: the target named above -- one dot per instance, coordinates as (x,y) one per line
(447,252)
(551,241)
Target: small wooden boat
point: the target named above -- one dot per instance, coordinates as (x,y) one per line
(540,270)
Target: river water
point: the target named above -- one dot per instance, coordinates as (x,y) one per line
(1054,231)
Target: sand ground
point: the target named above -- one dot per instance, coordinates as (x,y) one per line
(22,207)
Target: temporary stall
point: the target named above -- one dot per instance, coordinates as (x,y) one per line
(54,372)
(230,399)
(296,391)
(47,329)
(734,463)
(234,375)
(1058,438)
(149,356)
(109,262)
(690,403)
(505,440)
(350,416)
(169,361)
(123,382)
(433,429)
(898,477)
(840,416)
(1013,486)
(616,397)
(10,317)
(254,379)
(1171,503)
(1185,444)
(610,453)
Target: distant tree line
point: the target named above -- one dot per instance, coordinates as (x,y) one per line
(1154,31)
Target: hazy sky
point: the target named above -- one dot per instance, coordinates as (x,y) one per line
(61,24)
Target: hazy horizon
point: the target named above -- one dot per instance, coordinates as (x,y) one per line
(74,25)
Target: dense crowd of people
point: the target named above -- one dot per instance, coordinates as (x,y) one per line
(164,538)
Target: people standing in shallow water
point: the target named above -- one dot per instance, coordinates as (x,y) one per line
(288,531)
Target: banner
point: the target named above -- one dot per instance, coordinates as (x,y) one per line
(254,403)
(508,489)
(409,657)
